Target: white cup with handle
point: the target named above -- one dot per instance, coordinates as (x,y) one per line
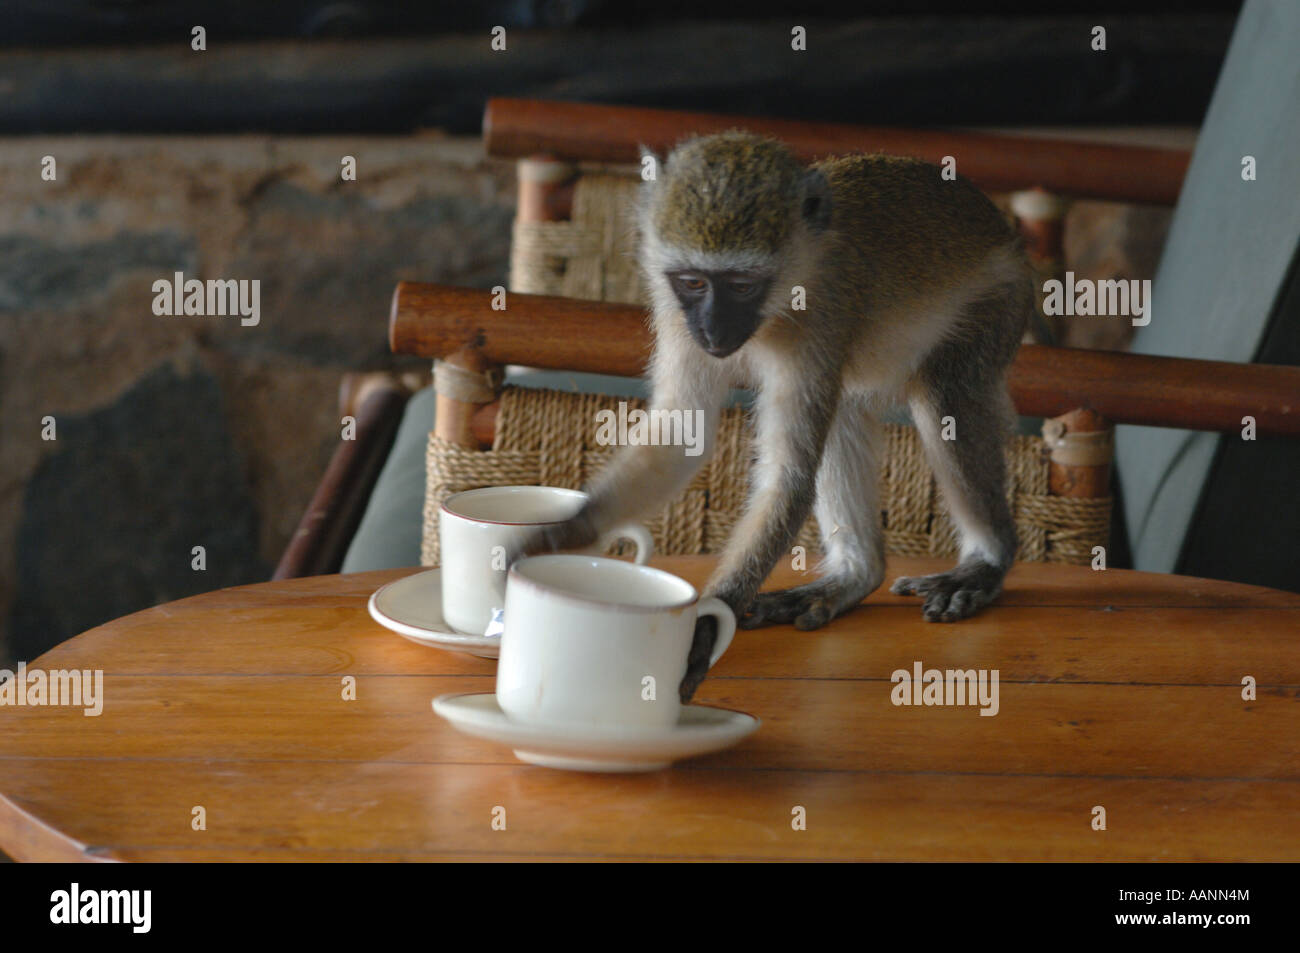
(477,531)
(591,641)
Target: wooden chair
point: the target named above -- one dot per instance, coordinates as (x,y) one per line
(375,403)
(573,238)
(572,244)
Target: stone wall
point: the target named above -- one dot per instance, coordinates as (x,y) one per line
(176,432)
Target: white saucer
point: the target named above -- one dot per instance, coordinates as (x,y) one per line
(700,730)
(412,607)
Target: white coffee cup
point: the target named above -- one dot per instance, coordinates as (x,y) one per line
(591,641)
(477,530)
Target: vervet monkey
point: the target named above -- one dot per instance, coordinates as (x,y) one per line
(917,291)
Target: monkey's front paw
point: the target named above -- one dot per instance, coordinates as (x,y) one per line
(809,606)
(953,595)
(576,532)
(807,610)
(697,663)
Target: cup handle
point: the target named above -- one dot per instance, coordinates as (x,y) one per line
(711,605)
(645,544)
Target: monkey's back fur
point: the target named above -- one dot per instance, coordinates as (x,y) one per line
(900,211)
(906,263)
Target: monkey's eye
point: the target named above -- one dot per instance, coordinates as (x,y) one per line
(742,288)
(691,284)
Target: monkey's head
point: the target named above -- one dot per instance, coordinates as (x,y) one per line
(723,219)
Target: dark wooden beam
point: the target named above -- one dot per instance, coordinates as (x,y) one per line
(911,71)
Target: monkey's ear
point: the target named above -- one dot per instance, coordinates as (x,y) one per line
(815,201)
(651,163)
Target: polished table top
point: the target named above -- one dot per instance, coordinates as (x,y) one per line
(1117,690)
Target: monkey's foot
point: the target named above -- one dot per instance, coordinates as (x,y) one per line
(809,606)
(956,594)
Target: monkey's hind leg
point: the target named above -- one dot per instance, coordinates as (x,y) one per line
(848,514)
(964,426)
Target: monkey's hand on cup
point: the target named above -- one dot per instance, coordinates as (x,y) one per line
(577,532)
(697,662)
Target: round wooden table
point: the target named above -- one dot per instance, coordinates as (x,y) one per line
(1119,692)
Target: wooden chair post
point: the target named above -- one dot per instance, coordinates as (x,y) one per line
(545,188)
(1040,216)
(1081,448)
(545,195)
(1082,444)
(464,382)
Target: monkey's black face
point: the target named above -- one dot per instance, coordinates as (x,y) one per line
(722,307)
